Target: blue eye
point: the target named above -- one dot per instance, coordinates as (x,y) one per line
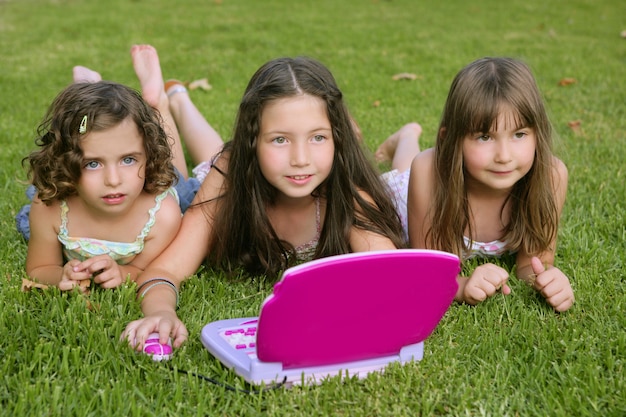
(92,165)
(128,160)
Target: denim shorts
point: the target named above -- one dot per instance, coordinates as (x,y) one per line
(186,189)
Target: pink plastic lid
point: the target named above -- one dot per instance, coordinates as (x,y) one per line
(357,306)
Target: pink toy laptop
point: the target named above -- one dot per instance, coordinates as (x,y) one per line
(342,315)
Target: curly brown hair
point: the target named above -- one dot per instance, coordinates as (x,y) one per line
(55,167)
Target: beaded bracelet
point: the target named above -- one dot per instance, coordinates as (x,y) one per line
(153,283)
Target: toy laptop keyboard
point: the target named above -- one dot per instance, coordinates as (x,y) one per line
(341,315)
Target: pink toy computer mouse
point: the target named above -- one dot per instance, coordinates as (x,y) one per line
(157,350)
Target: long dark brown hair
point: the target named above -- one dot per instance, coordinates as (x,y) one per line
(55,167)
(479,92)
(243,235)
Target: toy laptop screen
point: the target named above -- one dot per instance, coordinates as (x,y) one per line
(356,310)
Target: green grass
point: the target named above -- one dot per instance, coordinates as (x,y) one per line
(509,356)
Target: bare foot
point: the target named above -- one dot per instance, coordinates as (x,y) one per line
(148,70)
(82,74)
(387,150)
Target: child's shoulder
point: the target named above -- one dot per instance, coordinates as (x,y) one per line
(559,167)
(559,179)
(423,163)
(164,201)
(421,181)
(167,206)
(45,215)
(171,200)
(48,208)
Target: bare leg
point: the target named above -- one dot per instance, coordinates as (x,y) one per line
(82,74)
(401,147)
(148,70)
(201,140)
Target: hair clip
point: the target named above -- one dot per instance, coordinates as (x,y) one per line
(83,125)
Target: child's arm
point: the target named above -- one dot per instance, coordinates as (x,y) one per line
(158,302)
(486,279)
(420,198)
(44,259)
(181,259)
(363,240)
(540,270)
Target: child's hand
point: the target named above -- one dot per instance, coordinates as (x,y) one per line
(104,270)
(553,285)
(484,282)
(165,323)
(70,277)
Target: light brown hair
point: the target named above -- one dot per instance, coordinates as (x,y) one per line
(479,92)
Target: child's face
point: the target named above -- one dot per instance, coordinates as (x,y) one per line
(496,160)
(113,169)
(295,146)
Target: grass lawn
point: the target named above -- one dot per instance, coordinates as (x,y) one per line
(512,355)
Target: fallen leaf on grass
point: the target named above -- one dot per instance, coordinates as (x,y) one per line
(404,76)
(623,34)
(84,285)
(28,285)
(202,84)
(376,103)
(575,125)
(567,81)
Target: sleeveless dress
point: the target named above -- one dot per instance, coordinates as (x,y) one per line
(494,248)
(82,248)
(306,251)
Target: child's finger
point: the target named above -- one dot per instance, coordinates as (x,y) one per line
(76,265)
(565,305)
(180,335)
(506,290)
(94,264)
(537,265)
(79,276)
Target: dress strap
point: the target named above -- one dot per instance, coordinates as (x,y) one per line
(306,251)
(64,210)
(215,167)
(318,219)
(153,211)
